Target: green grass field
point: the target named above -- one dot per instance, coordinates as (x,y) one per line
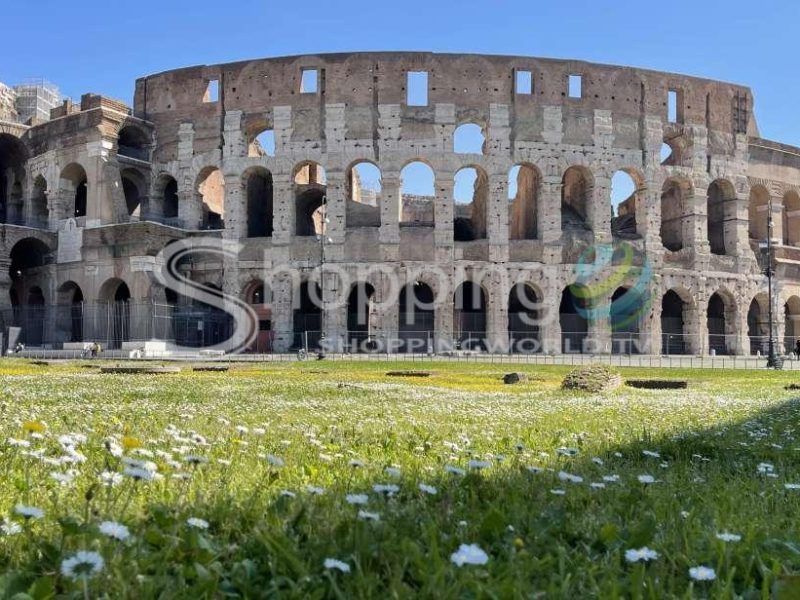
(237,484)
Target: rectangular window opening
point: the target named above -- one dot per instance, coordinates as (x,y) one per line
(309,82)
(417,88)
(524,82)
(575,86)
(212,91)
(672,106)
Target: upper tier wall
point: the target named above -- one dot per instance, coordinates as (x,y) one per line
(364,81)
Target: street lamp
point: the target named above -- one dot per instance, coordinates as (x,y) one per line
(773,362)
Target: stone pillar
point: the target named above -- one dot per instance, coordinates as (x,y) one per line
(282,312)
(598,338)
(390,207)
(5,284)
(777,220)
(551,326)
(497,217)
(189,206)
(235,209)
(283,209)
(650,323)
(336,213)
(548,218)
(334,307)
(695,326)
(443,317)
(386,298)
(737,330)
(443,210)
(695,225)
(599,210)
(497,312)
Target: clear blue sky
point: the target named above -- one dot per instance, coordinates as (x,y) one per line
(103,46)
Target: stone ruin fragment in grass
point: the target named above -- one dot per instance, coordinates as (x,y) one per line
(592,378)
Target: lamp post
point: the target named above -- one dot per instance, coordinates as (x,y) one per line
(773,362)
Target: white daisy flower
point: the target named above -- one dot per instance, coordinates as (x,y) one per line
(427,489)
(332,563)
(368,516)
(197,523)
(765,468)
(469,554)
(29,512)
(392,471)
(64,479)
(356,498)
(597,485)
(646,479)
(114,530)
(110,478)
(478,464)
(82,564)
(558,492)
(641,554)
(18,443)
(564,476)
(317,491)
(567,451)
(651,454)
(10,528)
(455,470)
(288,494)
(729,537)
(275,461)
(702,573)
(611,478)
(598,461)
(385,488)
(792,486)
(138,474)
(356,463)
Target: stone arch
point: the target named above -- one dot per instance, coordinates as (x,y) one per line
(525,317)
(469,315)
(721,320)
(524,185)
(577,187)
(721,217)
(115,295)
(676,306)
(471,198)
(416,316)
(758,324)
(363,191)
(310,186)
(134,142)
(757,212)
(73,188)
(166,192)
(625,316)
(260,138)
(628,191)
(258,190)
(13,155)
(675,213)
(210,195)
(307,315)
(791,315)
(69,319)
(417,194)
(361,317)
(791,218)
(258,295)
(470,138)
(39,211)
(573,314)
(134,190)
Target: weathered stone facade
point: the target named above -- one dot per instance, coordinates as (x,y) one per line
(100,189)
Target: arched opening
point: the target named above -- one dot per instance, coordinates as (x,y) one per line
(791,321)
(132,188)
(673,319)
(758,213)
(791,218)
(625,195)
(363,193)
(417,195)
(674,214)
(524,319)
(262,144)
(416,318)
(572,316)
(308,316)
(70,312)
(26,259)
(259,192)
(719,317)
(310,184)
(471,193)
(758,325)
(169,197)
(133,143)
(576,197)
(12,159)
(116,295)
(39,213)
(211,194)
(523,194)
(665,154)
(626,312)
(259,297)
(469,138)
(35,315)
(360,318)
(721,221)
(469,316)
(74,190)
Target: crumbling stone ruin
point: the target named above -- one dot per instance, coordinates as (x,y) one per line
(298,156)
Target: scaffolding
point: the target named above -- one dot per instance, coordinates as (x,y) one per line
(35,99)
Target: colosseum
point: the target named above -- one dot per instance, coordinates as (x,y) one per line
(472,185)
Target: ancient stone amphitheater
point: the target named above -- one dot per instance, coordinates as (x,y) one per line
(471,185)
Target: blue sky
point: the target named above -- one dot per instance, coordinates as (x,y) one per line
(103,46)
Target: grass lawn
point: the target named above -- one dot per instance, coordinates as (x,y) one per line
(242,484)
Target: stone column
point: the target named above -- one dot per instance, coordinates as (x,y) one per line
(598,338)
(695,326)
(283,209)
(443,317)
(336,207)
(443,215)
(650,323)
(497,217)
(390,207)
(695,225)
(334,307)
(551,326)
(548,218)
(599,210)
(497,313)
(5,284)
(386,297)
(282,312)
(235,209)
(189,207)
